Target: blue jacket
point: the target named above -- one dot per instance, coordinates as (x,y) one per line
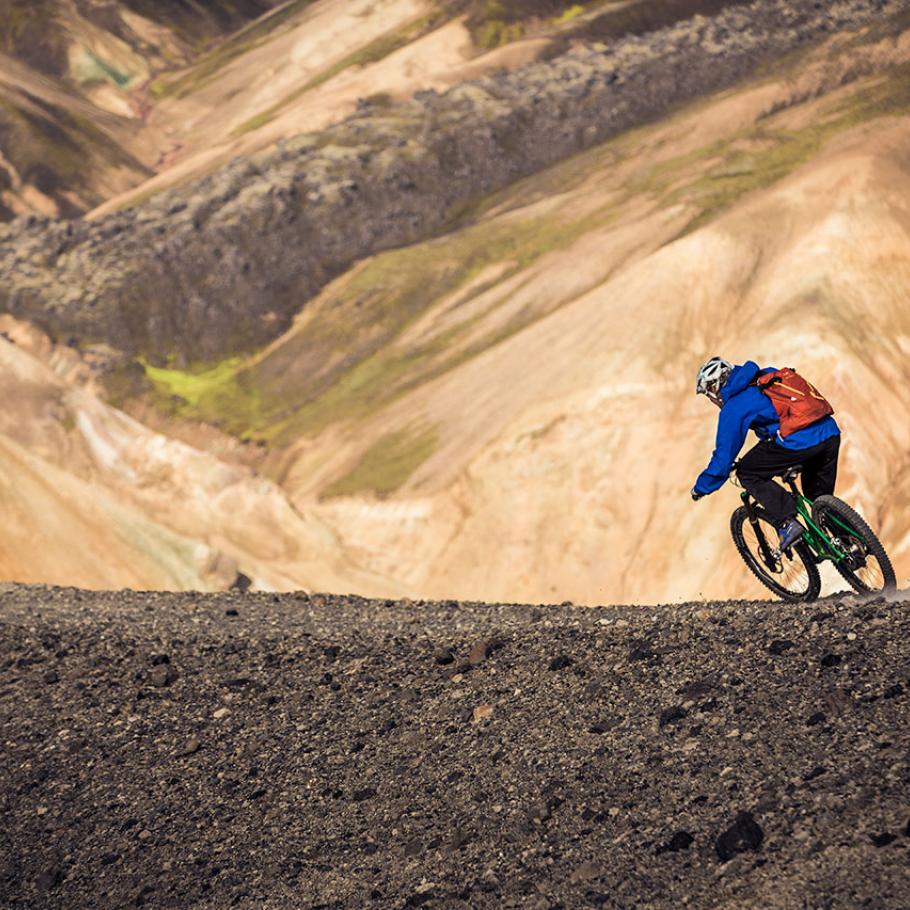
(746,408)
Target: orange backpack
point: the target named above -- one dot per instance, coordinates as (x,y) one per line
(797,402)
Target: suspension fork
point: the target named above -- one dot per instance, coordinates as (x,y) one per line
(767,553)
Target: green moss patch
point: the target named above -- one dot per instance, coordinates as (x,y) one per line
(192,387)
(387,464)
(213,395)
(494,23)
(567,15)
(480,12)
(495,33)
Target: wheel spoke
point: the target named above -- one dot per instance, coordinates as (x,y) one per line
(790,572)
(871,574)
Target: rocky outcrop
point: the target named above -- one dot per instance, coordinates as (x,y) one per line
(266,751)
(223,264)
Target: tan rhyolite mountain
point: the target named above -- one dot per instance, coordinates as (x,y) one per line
(504,410)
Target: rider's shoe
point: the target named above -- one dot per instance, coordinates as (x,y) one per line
(790,532)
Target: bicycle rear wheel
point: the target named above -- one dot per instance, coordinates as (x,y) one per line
(794,576)
(866,567)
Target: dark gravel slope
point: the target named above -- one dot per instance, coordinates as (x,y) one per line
(177,751)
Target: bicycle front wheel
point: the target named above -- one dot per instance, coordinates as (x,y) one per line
(794,576)
(865,566)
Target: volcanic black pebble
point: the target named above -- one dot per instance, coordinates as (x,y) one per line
(317,755)
(779,646)
(882,840)
(444,656)
(672,714)
(744,834)
(682,840)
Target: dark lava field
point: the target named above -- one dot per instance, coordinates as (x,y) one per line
(303,751)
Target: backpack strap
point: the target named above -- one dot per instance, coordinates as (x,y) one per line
(759,383)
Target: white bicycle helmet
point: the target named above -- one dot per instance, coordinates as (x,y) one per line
(711,377)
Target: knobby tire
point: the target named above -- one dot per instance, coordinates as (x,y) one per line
(826,506)
(800,552)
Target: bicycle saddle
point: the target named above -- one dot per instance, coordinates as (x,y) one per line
(792,473)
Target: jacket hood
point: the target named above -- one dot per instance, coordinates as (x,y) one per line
(739,380)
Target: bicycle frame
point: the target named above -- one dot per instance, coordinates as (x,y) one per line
(816,539)
(819,542)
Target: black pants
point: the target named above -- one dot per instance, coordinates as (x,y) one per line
(768,459)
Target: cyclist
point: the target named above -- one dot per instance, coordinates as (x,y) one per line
(743,406)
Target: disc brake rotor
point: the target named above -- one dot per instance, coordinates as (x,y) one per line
(855,551)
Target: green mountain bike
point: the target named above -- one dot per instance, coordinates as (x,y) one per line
(833,532)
